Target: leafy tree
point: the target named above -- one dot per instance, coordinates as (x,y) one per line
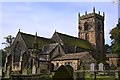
(115,37)
(9,40)
(107,48)
(0,57)
(2,54)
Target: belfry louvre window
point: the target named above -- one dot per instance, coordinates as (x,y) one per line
(86,26)
(86,36)
(99,26)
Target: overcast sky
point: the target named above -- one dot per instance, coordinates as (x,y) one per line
(46,17)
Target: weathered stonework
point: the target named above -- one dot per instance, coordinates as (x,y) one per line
(91,28)
(62,62)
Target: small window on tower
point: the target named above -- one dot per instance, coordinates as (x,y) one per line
(99,26)
(86,26)
(86,37)
(99,37)
(80,27)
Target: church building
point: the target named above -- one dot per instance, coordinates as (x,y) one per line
(32,54)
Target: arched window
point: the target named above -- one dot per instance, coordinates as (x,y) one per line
(99,26)
(86,26)
(17,52)
(86,37)
(99,36)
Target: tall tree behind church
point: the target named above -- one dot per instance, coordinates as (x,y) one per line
(115,37)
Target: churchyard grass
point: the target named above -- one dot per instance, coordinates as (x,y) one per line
(98,77)
(106,76)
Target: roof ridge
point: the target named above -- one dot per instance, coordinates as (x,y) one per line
(34,35)
(72,36)
(62,36)
(29,39)
(51,44)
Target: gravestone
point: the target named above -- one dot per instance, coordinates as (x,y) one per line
(112,68)
(33,69)
(24,71)
(81,74)
(8,71)
(101,66)
(92,67)
(38,71)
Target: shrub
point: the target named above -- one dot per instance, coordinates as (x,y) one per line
(70,69)
(63,73)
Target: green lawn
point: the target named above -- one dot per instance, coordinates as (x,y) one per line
(88,76)
(98,77)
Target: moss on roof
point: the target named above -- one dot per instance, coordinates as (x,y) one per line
(29,40)
(74,41)
(84,56)
(68,40)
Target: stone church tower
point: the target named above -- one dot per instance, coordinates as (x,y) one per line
(91,28)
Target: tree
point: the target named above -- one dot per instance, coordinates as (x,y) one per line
(9,40)
(115,37)
(107,48)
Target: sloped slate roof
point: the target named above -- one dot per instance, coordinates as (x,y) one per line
(67,40)
(29,40)
(49,48)
(112,55)
(74,41)
(84,56)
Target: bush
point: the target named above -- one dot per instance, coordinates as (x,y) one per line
(63,73)
(70,69)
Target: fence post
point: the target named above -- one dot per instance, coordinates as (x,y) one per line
(118,75)
(119,72)
(94,75)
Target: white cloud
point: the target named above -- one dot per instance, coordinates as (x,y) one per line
(45,18)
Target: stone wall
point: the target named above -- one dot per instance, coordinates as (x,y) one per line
(94,33)
(113,61)
(73,63)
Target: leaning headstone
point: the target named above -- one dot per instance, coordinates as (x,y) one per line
(101,66)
